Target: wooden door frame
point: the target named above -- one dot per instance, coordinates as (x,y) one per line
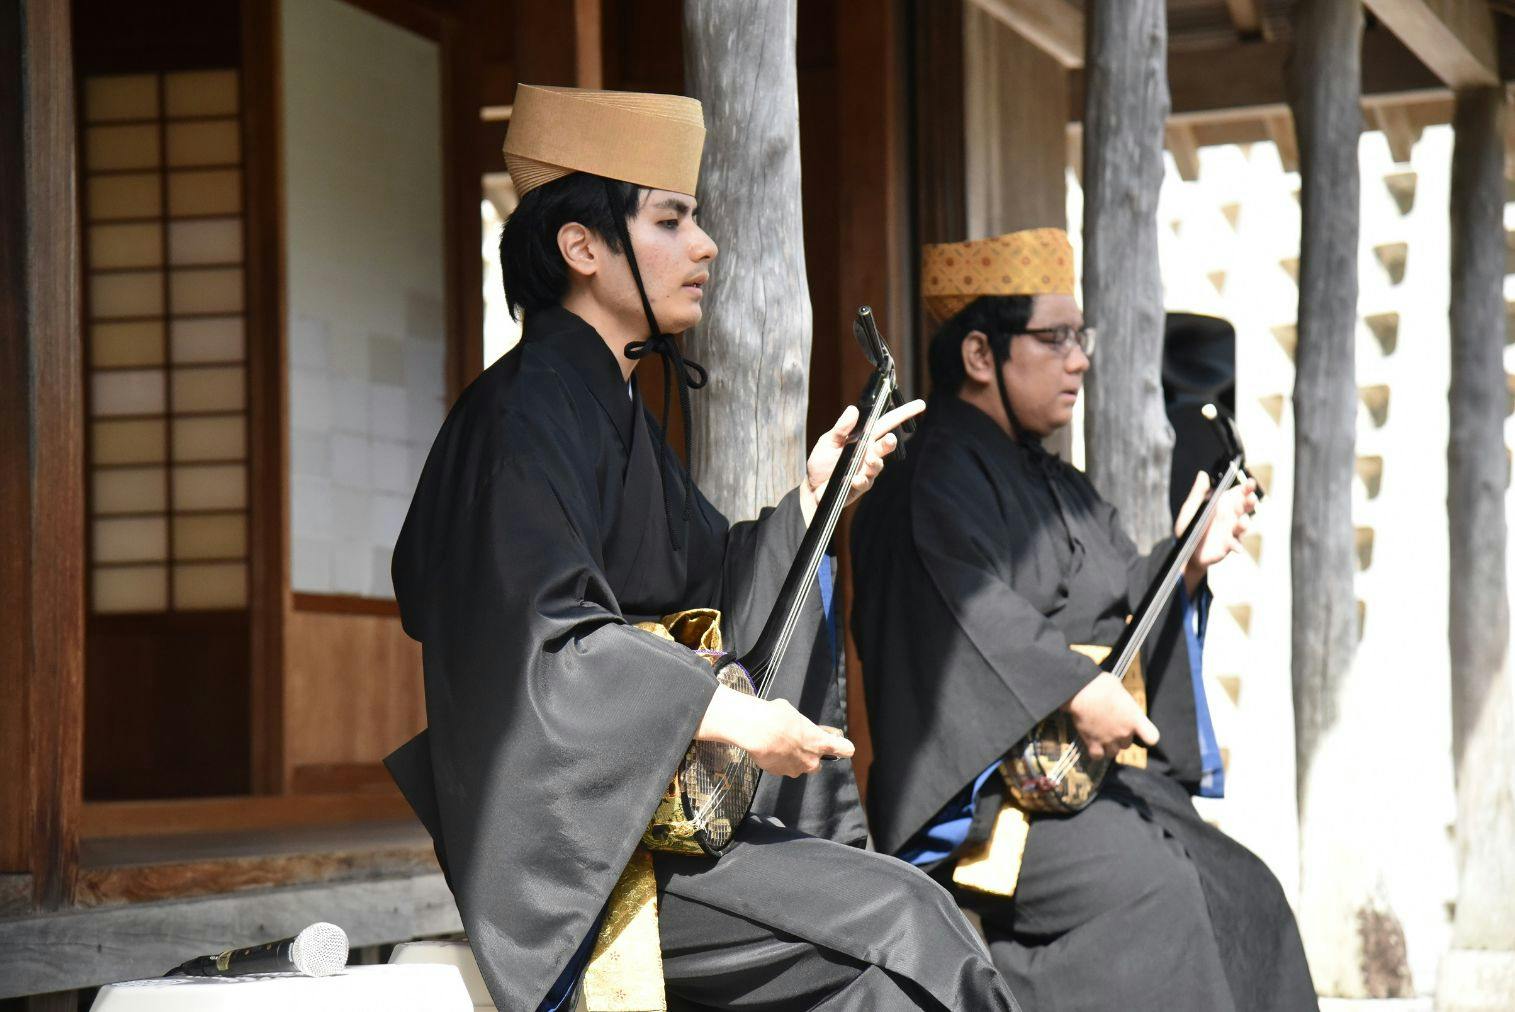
(41,456)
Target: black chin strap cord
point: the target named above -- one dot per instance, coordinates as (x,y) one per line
(1035,452)
(688,374)
(1000,349)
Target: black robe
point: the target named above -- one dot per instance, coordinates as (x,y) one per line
(976,565)
(537,533)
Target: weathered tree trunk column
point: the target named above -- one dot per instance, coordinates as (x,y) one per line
(1354,939)
(1479,973)
(749,423)
(1129,441)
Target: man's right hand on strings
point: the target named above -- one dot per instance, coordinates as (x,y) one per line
(780,739)
(1107,718)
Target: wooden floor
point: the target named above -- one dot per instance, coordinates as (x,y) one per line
(134,869)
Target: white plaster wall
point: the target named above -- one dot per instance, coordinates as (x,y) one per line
(1381,812)
(364,267)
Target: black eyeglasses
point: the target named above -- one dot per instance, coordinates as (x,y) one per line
(1062,339)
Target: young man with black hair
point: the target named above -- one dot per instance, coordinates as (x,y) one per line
(550,517)
(978,564)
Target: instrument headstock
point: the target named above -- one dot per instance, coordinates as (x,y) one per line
(1229,437)
(865,328)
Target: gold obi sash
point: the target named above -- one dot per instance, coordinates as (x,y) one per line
(625,971)
(994,866)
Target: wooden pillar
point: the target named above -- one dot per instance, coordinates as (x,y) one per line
(874,255)
(462,97)
(1322,79)
(1479,974)
(41,454)
(748,425)
(1353,936)
(937,146)
(1129,442)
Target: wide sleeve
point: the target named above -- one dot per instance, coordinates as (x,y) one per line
(554,726)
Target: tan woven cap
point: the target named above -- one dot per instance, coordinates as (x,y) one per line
(1037,261)
(651,140)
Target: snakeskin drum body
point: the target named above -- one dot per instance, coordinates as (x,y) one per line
(1048,772)
(710,794)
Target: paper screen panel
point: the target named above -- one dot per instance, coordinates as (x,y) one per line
(215,536)
(205,291)
(213,339)
(202,586)
(127,392)
(205,191)
(204,142)
(212,388)
(131,539)
(135,342)
(218,438)
(138,244)
(129,490)
(205,241)
(200,93)
(137,293)
(135,195)
(129,588)
(121,147)
(210,487)
(129,441)
(120,96)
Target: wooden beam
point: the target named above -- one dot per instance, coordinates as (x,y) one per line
(1185,150)
(1455,38)
(92,947)
(1056,27)
(1237,80)
(1280,129)
(1248,18)
(1398,129)
(100,819)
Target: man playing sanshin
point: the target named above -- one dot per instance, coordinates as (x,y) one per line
(549,517)
(978,562)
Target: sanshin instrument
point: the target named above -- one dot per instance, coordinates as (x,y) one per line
(1047,770)
(715,784)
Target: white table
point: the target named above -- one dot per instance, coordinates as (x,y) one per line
(395,987)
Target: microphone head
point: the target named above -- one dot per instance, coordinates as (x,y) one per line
(319,950)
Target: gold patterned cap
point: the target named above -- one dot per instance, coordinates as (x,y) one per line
(650,140)
(1036,261)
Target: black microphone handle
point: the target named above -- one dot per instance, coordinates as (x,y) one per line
(270,957)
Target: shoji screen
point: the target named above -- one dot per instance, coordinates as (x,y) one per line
(165,342)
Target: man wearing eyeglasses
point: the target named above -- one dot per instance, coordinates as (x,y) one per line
(977,564)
